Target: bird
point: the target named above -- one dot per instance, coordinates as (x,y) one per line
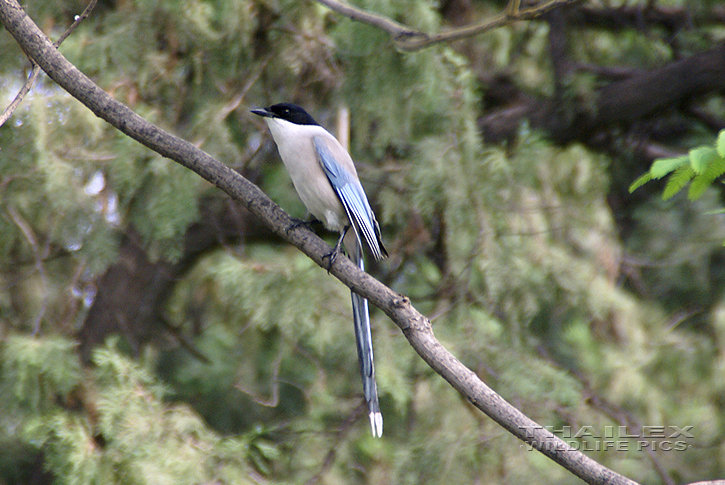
(326,181)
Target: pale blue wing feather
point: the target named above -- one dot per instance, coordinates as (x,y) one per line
(353,198)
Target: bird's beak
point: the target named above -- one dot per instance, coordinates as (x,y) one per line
(263,112)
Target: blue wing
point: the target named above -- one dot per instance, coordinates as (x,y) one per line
(353,198)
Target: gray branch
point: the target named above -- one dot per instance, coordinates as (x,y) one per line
(408,39)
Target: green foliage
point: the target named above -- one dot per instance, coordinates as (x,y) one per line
(679,179)
(277,301)
(165,206)
(706,164)
(675,247)
(137,438)
(416,87)
(36,371)
(512,251)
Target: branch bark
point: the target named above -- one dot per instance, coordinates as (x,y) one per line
(414,325)
(409,39)
(620,103)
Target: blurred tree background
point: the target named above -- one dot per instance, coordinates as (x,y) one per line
(151,331)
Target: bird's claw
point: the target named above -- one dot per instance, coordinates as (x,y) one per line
(297,223)
(331,257)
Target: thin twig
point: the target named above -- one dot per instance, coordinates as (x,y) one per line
(78,19)
(340,436)
(274,399)
(237,100)
(379,21)
(33,241)
(178,334)
(24,90)
(408,39)
(28,85)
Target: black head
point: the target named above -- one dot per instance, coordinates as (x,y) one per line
(288,112)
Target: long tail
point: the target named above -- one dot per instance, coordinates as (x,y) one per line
(364,340)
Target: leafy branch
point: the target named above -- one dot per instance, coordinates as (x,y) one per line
(699,168)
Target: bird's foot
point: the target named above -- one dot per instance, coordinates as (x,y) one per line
(331,257)
(299,222)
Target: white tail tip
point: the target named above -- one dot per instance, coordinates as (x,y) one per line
(376,422)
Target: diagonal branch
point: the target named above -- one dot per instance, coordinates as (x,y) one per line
(408,39)
(415,326)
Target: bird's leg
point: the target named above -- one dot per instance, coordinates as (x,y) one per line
(332,256)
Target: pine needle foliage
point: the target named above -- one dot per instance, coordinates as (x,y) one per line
(121,445)
(36,371)
(511,250)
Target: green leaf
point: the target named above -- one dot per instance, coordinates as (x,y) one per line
(701,158)
(643,179)
(677,181)
(715,169)
(701,182)
(720,144)
(663,166)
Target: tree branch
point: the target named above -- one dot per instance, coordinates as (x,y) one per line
(620,103)
(27,86)
(408,39)
(414,325)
